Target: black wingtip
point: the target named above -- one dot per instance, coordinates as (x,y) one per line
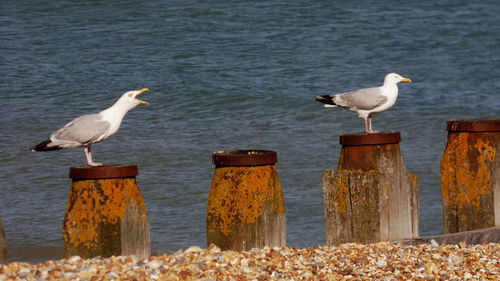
(43,146)
(328,99)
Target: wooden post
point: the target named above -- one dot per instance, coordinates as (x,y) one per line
(245,207)
(352,207)
(106,214)
(371,197)
(470,175)
(3,245)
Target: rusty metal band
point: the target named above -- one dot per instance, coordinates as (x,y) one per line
(104,172)
(370,139)
(473,125)
(244,157)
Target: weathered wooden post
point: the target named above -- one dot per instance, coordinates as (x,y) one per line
(3,245)
(371,197)
(470,175)
(245,207)
(106,214)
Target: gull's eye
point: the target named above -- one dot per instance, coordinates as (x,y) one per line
(130,95)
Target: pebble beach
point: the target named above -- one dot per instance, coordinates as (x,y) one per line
(380,261)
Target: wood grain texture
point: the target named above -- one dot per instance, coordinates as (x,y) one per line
(352,206)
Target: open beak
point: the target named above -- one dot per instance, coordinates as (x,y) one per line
(140,92)
(406,80)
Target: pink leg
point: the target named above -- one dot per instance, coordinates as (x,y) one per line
(370,130)
(366,127)
(88,154)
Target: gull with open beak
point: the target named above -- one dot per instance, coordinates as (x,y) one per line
(93,128)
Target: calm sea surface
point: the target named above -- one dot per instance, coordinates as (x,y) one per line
(228,75)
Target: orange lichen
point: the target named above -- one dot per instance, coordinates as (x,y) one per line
(242,194)
(340,193)
(95,202)
(466,170)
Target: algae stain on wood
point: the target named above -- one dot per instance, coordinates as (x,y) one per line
(469,169)
(95,207)
(466,173)
(341,195)
(240,194)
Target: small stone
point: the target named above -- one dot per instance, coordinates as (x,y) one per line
(74,259)
(212,249)
(430,269)
(434,244)
(244,262)
(275,275)
(319,264)
(255,250)
(219,259)
(23,273)
(180,261)
(154,264)
(444,273)
(85,275)
(69,275)
(192,249)
(381,263)
(454,259)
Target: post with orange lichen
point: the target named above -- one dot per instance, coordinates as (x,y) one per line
(106,214)
(470,175)
(245,207)
(3,245)
(370,197)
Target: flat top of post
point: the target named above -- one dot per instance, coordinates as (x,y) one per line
(370,139)
(473,125)
(250,157)
(104,172)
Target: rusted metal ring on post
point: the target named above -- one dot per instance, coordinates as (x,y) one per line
(244,157)
(104,172)
(370,139)
(473,125)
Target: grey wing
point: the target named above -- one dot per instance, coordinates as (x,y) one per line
(82,130)
(364,99)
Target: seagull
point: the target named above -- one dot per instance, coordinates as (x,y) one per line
(367,102)
(93,128)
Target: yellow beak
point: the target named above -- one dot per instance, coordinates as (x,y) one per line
(406,80)
(140,92)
